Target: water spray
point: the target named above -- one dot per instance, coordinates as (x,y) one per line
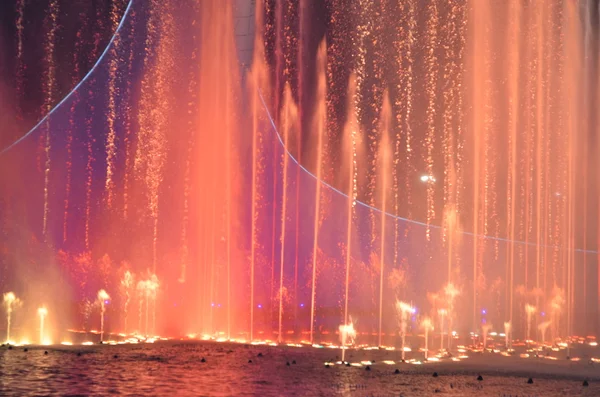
(529,310)
(126,283)
(556,305)
(141,289)
(442,313)
(403,310)
(153,287)
(485,329)
(347,336)
(451,293)
(10,302)
(543,327)
(42,312)
(102,296)
(427,325)
(147,291)
(507,338)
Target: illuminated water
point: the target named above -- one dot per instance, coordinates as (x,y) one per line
(219,241)
(175,368)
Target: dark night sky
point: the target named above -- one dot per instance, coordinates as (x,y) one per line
(92,17)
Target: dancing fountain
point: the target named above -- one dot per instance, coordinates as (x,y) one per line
(370,169)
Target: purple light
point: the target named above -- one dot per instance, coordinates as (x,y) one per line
(543,314)
(302,305)
(260,306)
(484,311)
(212,304)
(413,310)
(106,302)
(219,305)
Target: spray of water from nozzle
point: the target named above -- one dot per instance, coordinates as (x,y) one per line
(485,329)
(403,310)
(507,337)
(42,313)
(543,327)
(347,336)
(529,310)
(10,303)
(427,325)
(126,284)
(102,297)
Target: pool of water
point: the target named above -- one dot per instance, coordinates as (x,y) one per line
(176,368)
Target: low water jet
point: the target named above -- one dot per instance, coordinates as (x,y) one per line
(485,329)
(42,313)
(529,311)
(10,302)
(543,327)
(427,325)
(403,309)
(507,338)
(347,336)
(102,298)
(442,313)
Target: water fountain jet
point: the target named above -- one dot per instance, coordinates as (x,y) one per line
(10,302)
(321,123)
(42,313)
(385,158)
(507,337)
(529,310)
(403,310)
(153,285)
(485,329)
(427,325)
(451,293)
(126,284)
(543,327)
(347,336)
(442,313)
(102,297)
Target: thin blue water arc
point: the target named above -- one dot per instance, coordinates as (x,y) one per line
(85,78)
(379,210)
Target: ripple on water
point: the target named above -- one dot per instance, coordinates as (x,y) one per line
(168,368)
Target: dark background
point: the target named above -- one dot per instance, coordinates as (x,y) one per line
(73,56)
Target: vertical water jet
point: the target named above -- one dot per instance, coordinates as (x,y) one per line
(385,164)
(42,313)
(430,114)
(351,131)
(427,325)
(289,116)
(49,94)
(111,137)
(10,302)
(102,298)
(321,125)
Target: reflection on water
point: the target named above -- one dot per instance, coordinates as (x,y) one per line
(176,368)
